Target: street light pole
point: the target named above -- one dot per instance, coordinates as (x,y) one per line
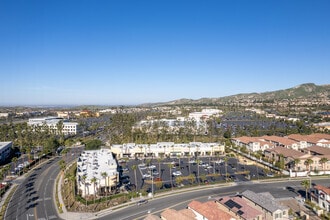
(152,183)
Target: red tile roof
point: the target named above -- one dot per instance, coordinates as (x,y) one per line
(312,138)
(318,150)
(286,152)
(248,212)
(171,214)
(323,188)
(281,140)
(209,210)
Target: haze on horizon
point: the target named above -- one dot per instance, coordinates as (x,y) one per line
(132,52)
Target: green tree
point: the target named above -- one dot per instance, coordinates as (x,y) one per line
(225,159)
(62,164)
(307,163)
(306,185)
(159,160)
(105,175)
(203,178)
(94,144)
(191,178)
(296,162)
(171,167)
(14,160)
(134,167)
(94,182)
(323,161)
(198,161)
(84,177)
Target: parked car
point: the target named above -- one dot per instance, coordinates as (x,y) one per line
(270,175)
(177,173)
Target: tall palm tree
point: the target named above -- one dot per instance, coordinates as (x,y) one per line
(323,161)
(159,160)
(225,159)
(198,162)
(307,163)
(134,167)
(296,162)
(84,177)
(171,166)
(105,175)
(179,157)
(14,160)
(94,181)
(306,185)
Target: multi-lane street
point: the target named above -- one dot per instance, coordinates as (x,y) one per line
(180,201)
(33,198)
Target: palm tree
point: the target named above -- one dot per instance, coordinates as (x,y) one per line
(323,161)
(159,160)
(171,166)
(84,177)
(307,163)
(105,175)
(296,162)
(179,157)
(306,185)
(14,160)
(134,169)
(198,161)
(94,181)
(225,159)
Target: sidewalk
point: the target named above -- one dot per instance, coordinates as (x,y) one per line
(95,215)
(66,214)
(5,196)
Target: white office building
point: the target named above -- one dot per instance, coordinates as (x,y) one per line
(96,172)
(5,149)
(168,149)
(69,128)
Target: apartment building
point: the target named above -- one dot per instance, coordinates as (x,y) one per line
(238,207)
(96,172)
(267,204)
(320,195)
(252,144)
(209,210)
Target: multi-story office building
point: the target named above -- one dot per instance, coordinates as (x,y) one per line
(5,149)
(68,128)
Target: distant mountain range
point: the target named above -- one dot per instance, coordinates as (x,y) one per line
(305,91)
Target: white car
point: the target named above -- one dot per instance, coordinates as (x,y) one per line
(146,175)
(177,173)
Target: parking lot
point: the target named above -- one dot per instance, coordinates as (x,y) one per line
(161,174)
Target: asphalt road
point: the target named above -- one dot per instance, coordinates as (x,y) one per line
(33,198)
(178,200)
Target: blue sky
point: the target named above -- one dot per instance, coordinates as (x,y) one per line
(132,52)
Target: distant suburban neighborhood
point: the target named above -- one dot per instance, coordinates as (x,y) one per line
(108,157)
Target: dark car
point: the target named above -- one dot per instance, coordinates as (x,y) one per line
(167,186)
(141,202)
